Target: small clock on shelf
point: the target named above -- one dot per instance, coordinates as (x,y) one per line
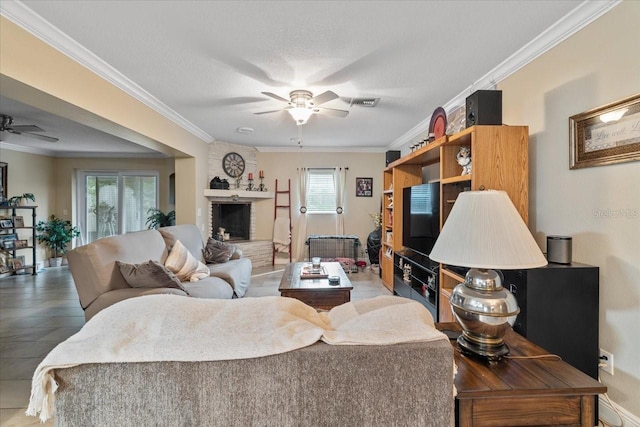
(233,165)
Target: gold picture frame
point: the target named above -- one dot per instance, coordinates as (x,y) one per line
(606,135)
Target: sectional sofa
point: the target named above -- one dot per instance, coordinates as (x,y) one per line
(100,282)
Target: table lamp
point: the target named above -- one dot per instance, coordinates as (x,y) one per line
(484,232)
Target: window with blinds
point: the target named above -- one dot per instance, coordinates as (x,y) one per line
(321,191)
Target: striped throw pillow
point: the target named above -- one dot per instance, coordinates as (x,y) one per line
(184,265)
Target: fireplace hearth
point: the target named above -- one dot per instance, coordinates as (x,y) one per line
(235,218)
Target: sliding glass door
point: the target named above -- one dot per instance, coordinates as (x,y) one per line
(114,202)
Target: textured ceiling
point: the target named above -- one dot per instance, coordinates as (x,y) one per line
(208,61)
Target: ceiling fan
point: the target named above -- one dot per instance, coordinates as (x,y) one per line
(302,105)
(7,126)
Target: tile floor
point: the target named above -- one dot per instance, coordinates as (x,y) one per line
(39,312)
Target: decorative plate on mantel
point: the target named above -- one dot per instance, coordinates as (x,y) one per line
(438,124)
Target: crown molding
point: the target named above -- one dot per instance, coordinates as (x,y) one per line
(303,149)
(28,20)
(23,149)
(587,12)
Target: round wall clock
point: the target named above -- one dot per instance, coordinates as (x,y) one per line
(233,164)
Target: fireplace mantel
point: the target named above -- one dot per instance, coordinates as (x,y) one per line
(237,195)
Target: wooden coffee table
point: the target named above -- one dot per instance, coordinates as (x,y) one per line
(317,293)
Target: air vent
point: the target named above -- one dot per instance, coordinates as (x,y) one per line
(365,102)
(244,130)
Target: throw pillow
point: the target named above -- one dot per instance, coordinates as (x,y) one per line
(237,252)
(150,274)
(184,265)
(217,252)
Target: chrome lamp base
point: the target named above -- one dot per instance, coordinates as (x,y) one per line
(485,311)
(492,352)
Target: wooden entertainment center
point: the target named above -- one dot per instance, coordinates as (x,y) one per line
(500,161)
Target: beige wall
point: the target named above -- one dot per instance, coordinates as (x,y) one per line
(598,65)
(283,166)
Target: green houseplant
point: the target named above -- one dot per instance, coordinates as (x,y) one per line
(157,218)
(56,234)
(17,200)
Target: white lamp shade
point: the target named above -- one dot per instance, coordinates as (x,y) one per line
(484,230)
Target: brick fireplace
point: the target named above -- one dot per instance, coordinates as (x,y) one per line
(235,218)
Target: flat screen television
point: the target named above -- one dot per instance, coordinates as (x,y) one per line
(421,217)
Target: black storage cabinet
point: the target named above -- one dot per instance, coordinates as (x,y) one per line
(559,311)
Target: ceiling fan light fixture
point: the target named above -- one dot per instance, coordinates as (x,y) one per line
(300,114)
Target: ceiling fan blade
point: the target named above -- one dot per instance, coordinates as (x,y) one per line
(27,128)
(333,112)
(42,137)
(323,97)
(274,96)
(270,111)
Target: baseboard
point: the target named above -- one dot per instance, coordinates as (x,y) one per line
(608,414)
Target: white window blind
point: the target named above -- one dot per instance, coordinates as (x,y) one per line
(115,202)
(421,200)
(321,191)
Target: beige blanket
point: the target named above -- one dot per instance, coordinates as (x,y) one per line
(175,328)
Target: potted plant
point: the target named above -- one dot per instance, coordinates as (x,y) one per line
(56,234)
(19,200)
(157,218)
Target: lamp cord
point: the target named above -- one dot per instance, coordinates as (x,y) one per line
(604,423)
(554,357)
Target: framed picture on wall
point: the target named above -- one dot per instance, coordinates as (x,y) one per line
(606,135)
(364,187)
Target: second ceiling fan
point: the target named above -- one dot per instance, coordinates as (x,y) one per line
(302,105)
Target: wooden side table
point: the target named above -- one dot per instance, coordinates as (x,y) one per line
(519,392)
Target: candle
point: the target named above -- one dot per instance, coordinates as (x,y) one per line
(250,175)
(261,173)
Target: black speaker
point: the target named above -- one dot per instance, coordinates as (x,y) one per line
(484,107)
(392,156)
(559,311)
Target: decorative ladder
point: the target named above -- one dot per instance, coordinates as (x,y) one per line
(287,206)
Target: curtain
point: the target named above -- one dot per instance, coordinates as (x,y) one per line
(303,178)
(340,180)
